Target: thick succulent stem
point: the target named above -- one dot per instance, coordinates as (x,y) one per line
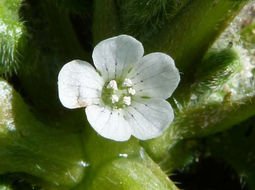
(120,165)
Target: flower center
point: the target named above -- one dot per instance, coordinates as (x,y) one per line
(118,94)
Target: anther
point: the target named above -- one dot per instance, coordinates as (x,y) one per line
(113,85)
(131,91)
(127,83)
(127,100)
(115,98)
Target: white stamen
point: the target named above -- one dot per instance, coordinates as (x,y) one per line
(131,91)
(113,85)
(127,100)
(115,98)
(127,83)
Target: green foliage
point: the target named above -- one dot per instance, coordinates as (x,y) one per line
(49,48)
(248,33)
(54,148)
(13,182)
(75,6)
(192,32)
(143,19)
(105,21)
(236,147)
(11,35)
(216,69)
(206,108)
(218,65)
(27,145)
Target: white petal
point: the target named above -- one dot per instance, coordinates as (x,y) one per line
(155,76)
(108,123)
(113,57)
(149,118)
(79,85)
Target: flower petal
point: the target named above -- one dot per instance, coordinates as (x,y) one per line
(149,118)
(113,57)
(155,76)
(108,123)
(79,85)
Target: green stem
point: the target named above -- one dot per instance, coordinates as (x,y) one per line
(191,33)
(144,18)
(200,121)
(120,165)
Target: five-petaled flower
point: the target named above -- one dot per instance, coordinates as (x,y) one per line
(125,95)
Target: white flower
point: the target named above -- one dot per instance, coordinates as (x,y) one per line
(125,95)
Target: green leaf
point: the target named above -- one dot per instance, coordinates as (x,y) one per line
(193,30)
(11,36)
(105,20)
(29,146)
(52,42)
(143,19)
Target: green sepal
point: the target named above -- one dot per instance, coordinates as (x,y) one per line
(216,69)
(218,66)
